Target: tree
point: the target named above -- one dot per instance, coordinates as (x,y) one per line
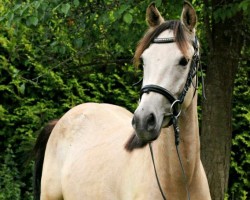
(226,31)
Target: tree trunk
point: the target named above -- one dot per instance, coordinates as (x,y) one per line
(216,134)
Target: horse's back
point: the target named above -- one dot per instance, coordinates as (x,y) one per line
(82,151)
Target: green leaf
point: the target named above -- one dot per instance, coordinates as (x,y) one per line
(44,6)
(23,9)
(244,5)
(22,88)
(76,3)
(65,8)
(78,42)
(123,8)
(158,2)
(33,20)
(36,4)
(10,16)
(16,7)
(128,18)
(62,49)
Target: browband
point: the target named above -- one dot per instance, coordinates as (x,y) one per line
(163,40)
(172,39)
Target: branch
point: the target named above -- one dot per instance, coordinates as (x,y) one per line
(118,61)
(96,63)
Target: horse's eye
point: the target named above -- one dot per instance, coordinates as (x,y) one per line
(183,61)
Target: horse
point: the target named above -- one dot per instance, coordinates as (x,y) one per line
(100,151)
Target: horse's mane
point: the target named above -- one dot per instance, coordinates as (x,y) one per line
(134,143)
(179,35)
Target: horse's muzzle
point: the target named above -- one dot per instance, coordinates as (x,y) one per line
(146,126)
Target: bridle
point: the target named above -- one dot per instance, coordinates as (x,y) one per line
(192,73)
(175,109)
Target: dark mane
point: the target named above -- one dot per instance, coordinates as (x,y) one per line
(134,143)
(179,34)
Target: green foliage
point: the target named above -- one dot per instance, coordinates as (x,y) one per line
(55,55)
(58,54)
(239,183)
(9,177)
(229,10)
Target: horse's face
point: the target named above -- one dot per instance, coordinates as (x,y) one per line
(164,65)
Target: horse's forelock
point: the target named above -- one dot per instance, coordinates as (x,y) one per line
(179,34)
(181,38)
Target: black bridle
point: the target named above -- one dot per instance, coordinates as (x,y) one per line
(192,73)
(175,110)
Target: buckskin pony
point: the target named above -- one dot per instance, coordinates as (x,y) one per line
(101,151)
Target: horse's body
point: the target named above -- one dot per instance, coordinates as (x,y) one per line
(86,157)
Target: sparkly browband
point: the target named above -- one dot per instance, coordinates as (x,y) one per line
(163,40)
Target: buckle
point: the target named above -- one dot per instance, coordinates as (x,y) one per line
(176,111)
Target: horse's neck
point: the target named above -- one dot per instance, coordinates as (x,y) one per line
(189,128)
(189,146)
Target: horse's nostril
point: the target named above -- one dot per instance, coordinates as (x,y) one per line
(151,122)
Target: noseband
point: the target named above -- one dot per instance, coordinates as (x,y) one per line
(175,102)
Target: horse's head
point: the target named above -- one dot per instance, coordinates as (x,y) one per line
(166,52)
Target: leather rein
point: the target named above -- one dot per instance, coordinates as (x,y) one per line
(175,103)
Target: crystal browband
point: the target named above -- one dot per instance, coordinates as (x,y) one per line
(163,40)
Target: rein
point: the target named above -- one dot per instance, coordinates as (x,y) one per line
(193,71)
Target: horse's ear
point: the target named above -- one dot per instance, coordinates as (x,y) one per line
(153,16)
(188,16)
